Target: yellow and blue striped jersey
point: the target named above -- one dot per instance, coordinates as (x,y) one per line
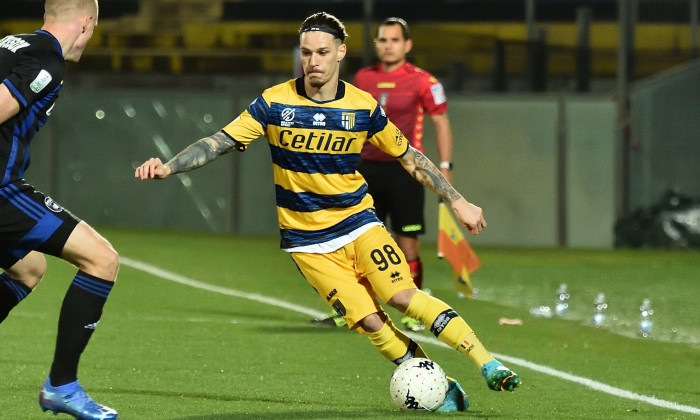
(322,200)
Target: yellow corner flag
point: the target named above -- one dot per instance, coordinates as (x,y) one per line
(453,246)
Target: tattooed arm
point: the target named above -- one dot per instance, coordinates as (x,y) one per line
(425,172)
(193,156)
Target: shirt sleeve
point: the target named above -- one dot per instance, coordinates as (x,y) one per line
(36,75)
(250,124)
(389,138)
(433,98)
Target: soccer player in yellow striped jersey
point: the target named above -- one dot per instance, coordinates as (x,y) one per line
(322,201)
(316,126)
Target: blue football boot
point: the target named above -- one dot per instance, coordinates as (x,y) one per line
(499,377)
(72,399)
(455,398)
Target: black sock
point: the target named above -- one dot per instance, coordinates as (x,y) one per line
(11,293)
(80,314)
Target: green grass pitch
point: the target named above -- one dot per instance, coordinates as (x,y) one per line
(231,350)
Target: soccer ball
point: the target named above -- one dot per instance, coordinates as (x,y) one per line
(418,384)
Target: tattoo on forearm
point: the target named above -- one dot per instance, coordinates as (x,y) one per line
(201,152)
(429,175)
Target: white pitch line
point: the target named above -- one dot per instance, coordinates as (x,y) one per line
(177,278)
(598,386)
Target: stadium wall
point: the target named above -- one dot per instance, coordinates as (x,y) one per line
(664,150)
(510,153)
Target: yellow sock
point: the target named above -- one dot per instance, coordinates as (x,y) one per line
(393,344)
(447,326)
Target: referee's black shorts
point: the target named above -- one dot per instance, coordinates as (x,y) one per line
(31,221)
(397,195)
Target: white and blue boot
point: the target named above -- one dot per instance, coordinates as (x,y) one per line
(72,399)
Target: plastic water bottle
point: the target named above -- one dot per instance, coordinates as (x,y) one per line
(645,322)
(541,312)
(599,310)
(562,304)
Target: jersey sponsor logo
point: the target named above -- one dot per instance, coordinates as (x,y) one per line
(13,43)
(386,85)
(319,120)
(315,141)
(287,117)
(438,94)
(42,80)
(331,294)
(348,120)
(52,205)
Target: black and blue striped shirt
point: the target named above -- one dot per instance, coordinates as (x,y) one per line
(32,67)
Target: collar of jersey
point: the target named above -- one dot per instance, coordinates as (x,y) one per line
(339,93)
(58,45)
(403,68)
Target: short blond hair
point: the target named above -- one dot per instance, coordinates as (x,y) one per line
(67,9)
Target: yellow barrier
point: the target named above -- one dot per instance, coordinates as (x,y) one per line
(267,46)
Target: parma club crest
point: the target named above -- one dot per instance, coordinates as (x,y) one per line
(348,120)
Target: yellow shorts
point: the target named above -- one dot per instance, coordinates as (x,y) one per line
(348,278)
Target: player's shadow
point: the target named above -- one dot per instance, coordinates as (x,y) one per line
(239,314)
(291,414)
(378,414)
(292,324)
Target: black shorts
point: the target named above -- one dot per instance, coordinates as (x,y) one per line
(397,195)
(31,221)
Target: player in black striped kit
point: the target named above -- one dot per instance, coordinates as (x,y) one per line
(32,224)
